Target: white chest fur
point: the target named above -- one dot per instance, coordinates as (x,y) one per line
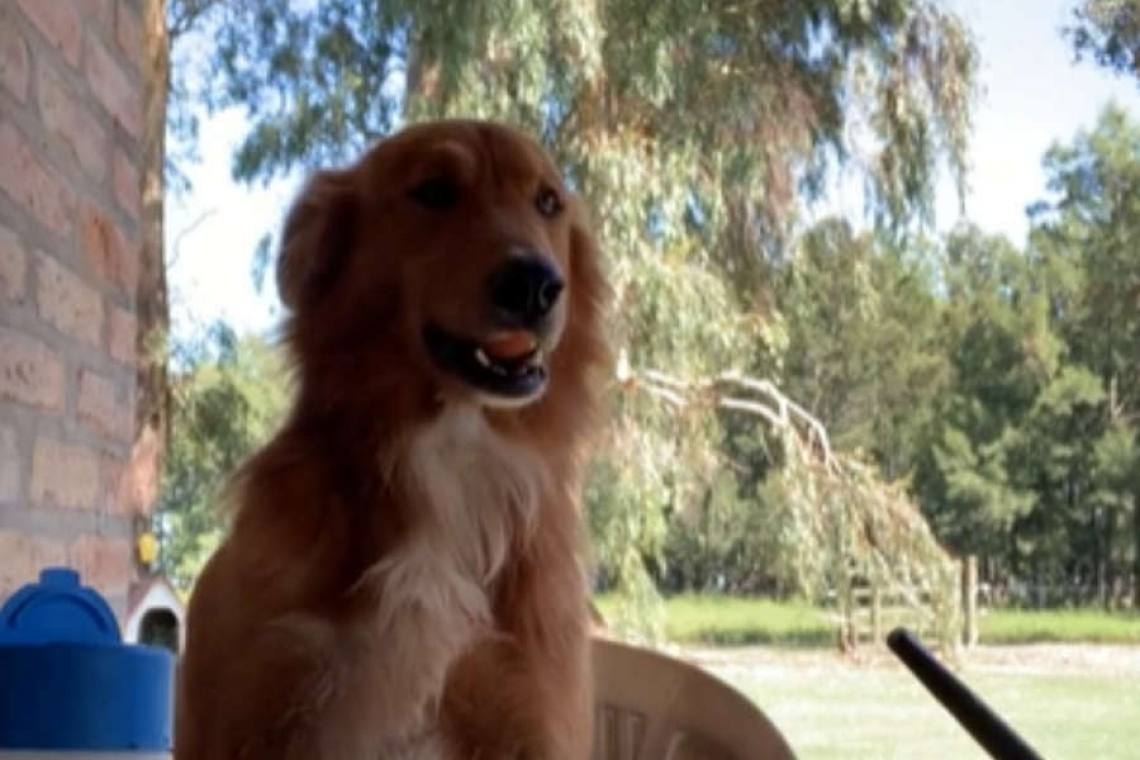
(478,491)
(474,495)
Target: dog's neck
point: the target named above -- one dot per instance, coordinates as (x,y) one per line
(474,492)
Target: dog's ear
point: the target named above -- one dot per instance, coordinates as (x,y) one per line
(318,233)
(590,294)
(586,270)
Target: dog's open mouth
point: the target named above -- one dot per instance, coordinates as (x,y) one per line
(509,364)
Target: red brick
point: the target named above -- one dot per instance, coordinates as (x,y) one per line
(66,117)
(128,33)
(23,556)
(101,12)
(128,184)
(38,189)
(116,499)
(14,63)
(9,465)
(67,302)
(103,563)
(108,250)
(58,20)
(64,475)
(122,329)
(100,243)
(143,472)
(103,407)
(128,272)
(30,372)
(13,266)
(114,89)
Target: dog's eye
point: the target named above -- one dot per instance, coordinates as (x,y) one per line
(547,202)
(436,193)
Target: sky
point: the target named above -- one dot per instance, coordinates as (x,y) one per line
(1033,96)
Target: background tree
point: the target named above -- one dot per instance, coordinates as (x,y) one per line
(1088,236)
(227,397)
(151,310)
(168,123)
(1001,354)
(993,384)
(1109,31)
(863,352)
(1032,457)
(696,130)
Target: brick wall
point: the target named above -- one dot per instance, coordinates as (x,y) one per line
(70,122)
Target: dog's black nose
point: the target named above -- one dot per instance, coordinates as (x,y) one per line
(525,289)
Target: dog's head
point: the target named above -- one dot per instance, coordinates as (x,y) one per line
(453,250)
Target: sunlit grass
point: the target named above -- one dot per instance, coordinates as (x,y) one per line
(829,707)
(881,712)
(1070,626)
(736,621)
(733,621)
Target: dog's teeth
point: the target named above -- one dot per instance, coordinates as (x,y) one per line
(482,358)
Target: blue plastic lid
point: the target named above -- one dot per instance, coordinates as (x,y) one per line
(67,682)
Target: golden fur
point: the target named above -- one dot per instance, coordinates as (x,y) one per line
(402,577)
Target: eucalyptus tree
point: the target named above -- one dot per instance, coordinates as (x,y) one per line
(697,131)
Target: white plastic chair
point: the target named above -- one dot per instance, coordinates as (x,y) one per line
(654,707)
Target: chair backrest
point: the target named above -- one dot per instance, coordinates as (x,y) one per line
(653,707)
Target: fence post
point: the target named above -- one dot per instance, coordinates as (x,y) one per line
(848,633)
(877,614)
(970,601)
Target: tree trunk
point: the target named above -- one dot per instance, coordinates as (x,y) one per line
(151,395)
(970,602)
(877,614)
(1109,558)
(1136,551)
(421,86)
(1097,581)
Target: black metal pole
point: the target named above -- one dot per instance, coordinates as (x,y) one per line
(990,731)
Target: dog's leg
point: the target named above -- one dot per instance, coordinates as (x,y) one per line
(546,610)
(528,694)
(261,696)
(364,686)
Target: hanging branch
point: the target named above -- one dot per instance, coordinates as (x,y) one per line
(782,413)
(886,537)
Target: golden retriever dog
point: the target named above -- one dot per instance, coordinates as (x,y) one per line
(402,577)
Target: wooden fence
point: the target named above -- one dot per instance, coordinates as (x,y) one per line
(874,612)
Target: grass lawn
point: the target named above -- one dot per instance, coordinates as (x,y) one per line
(735,621)
(835,709)
(1090,625)
(1049,674)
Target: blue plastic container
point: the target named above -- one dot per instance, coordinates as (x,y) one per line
(69,687)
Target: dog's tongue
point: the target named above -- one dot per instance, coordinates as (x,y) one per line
(509,345)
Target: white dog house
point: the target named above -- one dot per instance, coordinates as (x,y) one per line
(155,615)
